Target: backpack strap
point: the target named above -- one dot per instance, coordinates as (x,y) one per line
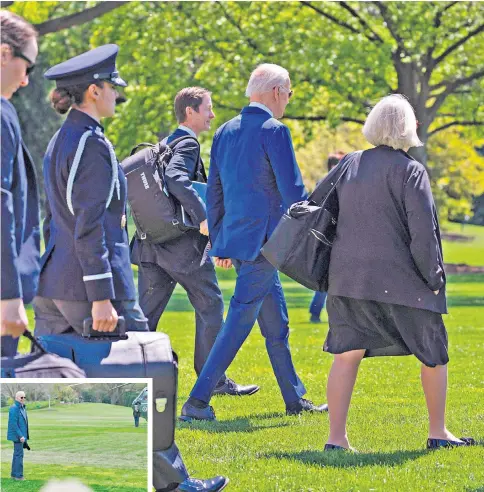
(200,170)
(77,159)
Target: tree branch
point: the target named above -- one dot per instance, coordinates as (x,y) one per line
(455,123)
(234,23)
(456,45)
(322,118)
(441,12)
(78,18)
(331,17)
(386,17)
(374,37)
(453,84)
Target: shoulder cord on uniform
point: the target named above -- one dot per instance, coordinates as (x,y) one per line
(77,160)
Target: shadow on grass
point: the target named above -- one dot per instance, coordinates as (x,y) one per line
(465,300)
(342,459)
(473,278)
(238,424)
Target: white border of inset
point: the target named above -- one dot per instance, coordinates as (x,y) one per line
(147,381)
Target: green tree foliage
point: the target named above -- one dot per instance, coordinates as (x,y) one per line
(342,56)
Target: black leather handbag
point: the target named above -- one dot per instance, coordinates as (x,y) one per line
(300,246)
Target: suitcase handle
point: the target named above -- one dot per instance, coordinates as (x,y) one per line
(119,332)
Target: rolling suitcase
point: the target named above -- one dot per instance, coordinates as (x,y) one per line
(39,364)
(127,355)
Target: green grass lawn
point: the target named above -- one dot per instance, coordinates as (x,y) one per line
(93,442)
(260,449)
(470,252)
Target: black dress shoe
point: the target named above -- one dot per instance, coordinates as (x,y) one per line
(303,405)
(190,412)
(447,443)
(195,485)
(230,387)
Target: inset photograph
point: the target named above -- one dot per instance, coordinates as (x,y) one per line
(74,437)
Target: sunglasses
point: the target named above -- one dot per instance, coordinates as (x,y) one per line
(289,92)
(22,397)
(31,66)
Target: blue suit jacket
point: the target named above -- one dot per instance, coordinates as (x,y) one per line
(184,253)
(253,178)
(18,425)
(87,253)
(20,212)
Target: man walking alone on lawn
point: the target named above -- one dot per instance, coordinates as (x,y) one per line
(253,177)
(18,432)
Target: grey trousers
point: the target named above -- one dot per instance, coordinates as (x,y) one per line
(54,316)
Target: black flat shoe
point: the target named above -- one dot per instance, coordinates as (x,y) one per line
(447,443)
(334,447)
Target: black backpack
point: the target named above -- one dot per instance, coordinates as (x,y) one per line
(158,216)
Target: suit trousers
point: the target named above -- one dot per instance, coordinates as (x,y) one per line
(18,460)
(53,316)
(156,286)
(258,296)
(168,469)
(317,304)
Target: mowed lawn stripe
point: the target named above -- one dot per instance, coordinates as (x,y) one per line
(94,442)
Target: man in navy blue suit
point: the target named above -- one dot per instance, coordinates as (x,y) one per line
(183,260)
(253,178)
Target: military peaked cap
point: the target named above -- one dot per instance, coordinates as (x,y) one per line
(97,64)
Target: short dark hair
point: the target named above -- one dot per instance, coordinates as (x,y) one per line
(334,158)
(16,31)
(189,97)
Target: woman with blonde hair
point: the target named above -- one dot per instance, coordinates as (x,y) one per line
(387,295)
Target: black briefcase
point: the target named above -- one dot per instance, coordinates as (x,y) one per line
(134,354)
(300,246)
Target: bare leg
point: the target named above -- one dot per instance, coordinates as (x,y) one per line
(341,381)
(434,384)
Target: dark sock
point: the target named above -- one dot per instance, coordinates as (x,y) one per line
(195,402)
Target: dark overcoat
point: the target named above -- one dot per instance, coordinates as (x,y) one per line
(387,245)
(20,212)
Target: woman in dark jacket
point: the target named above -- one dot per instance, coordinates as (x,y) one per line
(20,207)
(86,268)
(386,276)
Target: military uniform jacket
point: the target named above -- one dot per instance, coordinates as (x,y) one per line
(253,178)
(18,424)
(87,250)
(387,246)
(20,212)
(183,254)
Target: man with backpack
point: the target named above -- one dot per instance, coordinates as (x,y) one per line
(184,260)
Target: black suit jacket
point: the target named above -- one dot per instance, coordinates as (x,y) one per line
(184,253)
(387,245)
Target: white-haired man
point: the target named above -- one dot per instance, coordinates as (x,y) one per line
(18,432)
(253,178)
